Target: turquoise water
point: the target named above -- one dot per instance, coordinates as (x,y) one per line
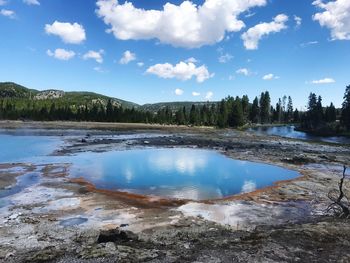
(167,172)
(15,148)
(175,173)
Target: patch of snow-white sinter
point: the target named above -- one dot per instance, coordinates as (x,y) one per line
(63,204)
(246,215)
(37,194)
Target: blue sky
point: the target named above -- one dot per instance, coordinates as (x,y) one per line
(152,51)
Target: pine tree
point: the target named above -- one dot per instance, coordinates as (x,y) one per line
(345,114)
(265,102)
(109,110)
(179,116)
(236,116)
(245,107)
(222,115)
(289,109)
(255,111)
(330,113)
(193,115)
(296,116)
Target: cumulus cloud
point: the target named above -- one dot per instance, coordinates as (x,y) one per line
(270,77)
(186,25)
(69,33)
(224,58)
(3,2)
(336,17)
(195,93)
(179,92)
(243,71)
(8,13)
(127,57)
(31,2)
(192,60)
(61,54)
(182,71)
(298,20)
(209,95)
(252,37)
(323,81)
(96,55)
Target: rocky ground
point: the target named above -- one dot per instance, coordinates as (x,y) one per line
(57,220)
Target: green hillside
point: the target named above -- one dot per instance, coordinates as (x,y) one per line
(76,98)
(13,90)
(174,105)
(20,93)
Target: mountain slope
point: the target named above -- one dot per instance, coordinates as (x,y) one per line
(77,98)
(175,105)
(15,91)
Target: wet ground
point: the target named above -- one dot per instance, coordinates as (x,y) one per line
(56,219)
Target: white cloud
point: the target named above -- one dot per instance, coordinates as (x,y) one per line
(127,57)
(100,70)
(252,37)
(336,17)
(270,77)
(323,81)
(308,43)
(298,20)
(192,60)
(179,92)
(69,33)
(243,71)
(186,25)
(249,15)
(31,2)
(209,95)
(195,93)
(224,58)
(182,71)
(3,2)
(61,54)
(8,13)
(96,55)
(140,64)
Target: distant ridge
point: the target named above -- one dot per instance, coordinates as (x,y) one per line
(16,91)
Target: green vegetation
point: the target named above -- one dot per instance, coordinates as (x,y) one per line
(17,102)
(323,121)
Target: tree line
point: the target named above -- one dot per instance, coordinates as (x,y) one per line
(229,112)
(326,120)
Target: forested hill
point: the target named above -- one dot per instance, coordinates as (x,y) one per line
(12,90)
(173,106)
(15,91)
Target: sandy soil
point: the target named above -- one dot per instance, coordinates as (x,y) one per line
(63,221)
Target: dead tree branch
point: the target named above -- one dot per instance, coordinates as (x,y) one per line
(340,204)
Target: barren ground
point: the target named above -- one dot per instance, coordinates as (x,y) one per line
(60,220)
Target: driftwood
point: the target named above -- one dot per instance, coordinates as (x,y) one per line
(340,205)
